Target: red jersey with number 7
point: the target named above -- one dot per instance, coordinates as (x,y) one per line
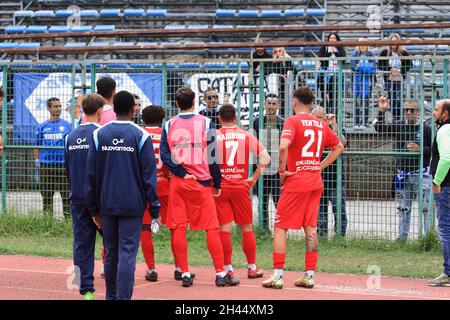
(235,146)
(162,172)
(308,136)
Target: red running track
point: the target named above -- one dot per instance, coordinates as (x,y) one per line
(25,278)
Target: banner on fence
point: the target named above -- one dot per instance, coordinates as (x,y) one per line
(31,91)
(227,87)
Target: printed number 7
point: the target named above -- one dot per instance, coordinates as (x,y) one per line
(234,146)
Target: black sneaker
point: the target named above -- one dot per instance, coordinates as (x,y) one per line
(226,281)
(151,276)
(187,282)
(178,275)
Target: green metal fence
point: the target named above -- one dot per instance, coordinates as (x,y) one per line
(370,191)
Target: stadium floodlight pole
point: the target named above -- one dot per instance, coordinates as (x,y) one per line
(5,140)
(207,31)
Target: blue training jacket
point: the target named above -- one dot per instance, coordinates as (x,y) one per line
(76,150)
(121,175)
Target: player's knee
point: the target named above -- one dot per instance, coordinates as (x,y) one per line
(245,227)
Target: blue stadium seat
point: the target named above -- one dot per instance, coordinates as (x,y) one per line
(175,27)
(29,45)
(89,13)
(105,27)
(110,12)
(414,47)
(234,65)
(117,64)
(44,14)
(414,31)
(8,45)
(442,47)
(316,12)
(21,63)
(215,65)
(198,26)
(270,13)
(171,65)
(312,48)
(133,12)
(156,12)
(309,64)
(248,13)
(188,65)
(81,28)
(222,26)
(64,13)
(36,29)
(75,44)
(141,65)
(311,83)
(146,43)
(24,14)
(225,13)
(122,44)
(294,12)
(246,26)
(58,29)
(15,29)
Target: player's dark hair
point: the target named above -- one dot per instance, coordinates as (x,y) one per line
(123,103)
(49,101)
(184,98)
(271,96)
(153,115)
(304,95)
(92,102)
(2,93)
(106,86)
(446,107)
(227,112)
(136,97)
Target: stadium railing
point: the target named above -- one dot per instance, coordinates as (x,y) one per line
(364,188)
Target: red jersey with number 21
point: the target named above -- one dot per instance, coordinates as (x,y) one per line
(309,136)
(235,146)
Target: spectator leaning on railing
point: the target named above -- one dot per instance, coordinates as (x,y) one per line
(362,83)
(407,138)
(440,166)
(395,70)
(328,81)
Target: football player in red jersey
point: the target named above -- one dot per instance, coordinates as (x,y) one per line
(153,116)
(234,204)
(303,140)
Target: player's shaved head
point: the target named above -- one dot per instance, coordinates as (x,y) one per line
(319,112)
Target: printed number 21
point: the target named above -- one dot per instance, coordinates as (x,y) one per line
(306,152)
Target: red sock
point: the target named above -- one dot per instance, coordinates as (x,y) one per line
(215,248)
(181,248)
(227,246)
(278,260)
(249,246)
(311,260)
(103,255)
(147,249)
(172,246)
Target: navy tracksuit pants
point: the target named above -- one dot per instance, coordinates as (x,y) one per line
(121,239)
(84,233)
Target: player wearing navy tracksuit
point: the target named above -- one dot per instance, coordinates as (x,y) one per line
(77,146)
(121,181)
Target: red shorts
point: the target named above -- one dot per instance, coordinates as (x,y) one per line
(234,204)
(296,210)
(191,204)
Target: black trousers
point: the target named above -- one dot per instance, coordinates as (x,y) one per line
(271,187)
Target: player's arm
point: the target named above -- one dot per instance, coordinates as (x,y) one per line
(166,157)
(66,160)
(332,156)
(149,176)
(263,163)
(90,191)
(283,155)
(443,144)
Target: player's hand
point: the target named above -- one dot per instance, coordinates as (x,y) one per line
(436,189)
(286,174)
(413,147)
(251,182)
(1,145)
(98,221)
(383,103)
(216,192)
(190,176)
